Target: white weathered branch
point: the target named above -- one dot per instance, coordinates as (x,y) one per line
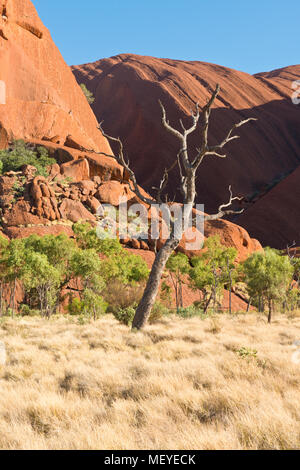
(229,137)
(222,211)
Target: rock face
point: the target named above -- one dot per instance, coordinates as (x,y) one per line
(43,100)
(276,213)
(128,87)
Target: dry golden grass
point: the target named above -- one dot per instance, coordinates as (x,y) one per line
(180,384)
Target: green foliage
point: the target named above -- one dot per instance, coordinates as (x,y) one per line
(213,270)
(87,93)
(46,265)
(190,312)
(126,268)
(93,304)
(90,305)
(178,266)
(21,154)
(245,353)
(268,275)
(119,263)
(75,306)
(43,277)
(166,293)
(125,315)
(87,238)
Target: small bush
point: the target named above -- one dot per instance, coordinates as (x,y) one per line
(21,154)
(246,352)
(158,312)
(87,93)
(75,307)
(189,312)
(125,315)
(90,305)
(26,311)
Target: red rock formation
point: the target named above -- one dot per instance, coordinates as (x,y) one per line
(129,86)
(43,100)
(276,216)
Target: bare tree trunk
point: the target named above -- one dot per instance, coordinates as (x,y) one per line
(1,299)
(270,311)
(249,304)
(207,304)
(230,285)
(13,299)
(145,306)
(181,294)
(176,291)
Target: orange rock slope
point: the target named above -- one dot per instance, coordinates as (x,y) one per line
(127,89)
(43,100)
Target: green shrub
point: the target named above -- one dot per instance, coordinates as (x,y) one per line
(21,154)
(246,352)
(87,93)
(189,312)
(26,311)
(75,307)
(90,305)
(125,315)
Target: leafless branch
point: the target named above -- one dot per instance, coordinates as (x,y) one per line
(229,137)
(221,212)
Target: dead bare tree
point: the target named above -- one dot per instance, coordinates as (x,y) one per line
(188,167)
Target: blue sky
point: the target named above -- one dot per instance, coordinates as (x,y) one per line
(248,35)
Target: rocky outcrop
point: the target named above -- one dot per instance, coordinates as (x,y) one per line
(42,99)
(129,86)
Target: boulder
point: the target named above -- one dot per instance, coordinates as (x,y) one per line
(20,215)
(95,206)
(6,184)
(111,192)
(76,170)
(75,211)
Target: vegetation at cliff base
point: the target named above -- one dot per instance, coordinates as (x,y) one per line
(20,154)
